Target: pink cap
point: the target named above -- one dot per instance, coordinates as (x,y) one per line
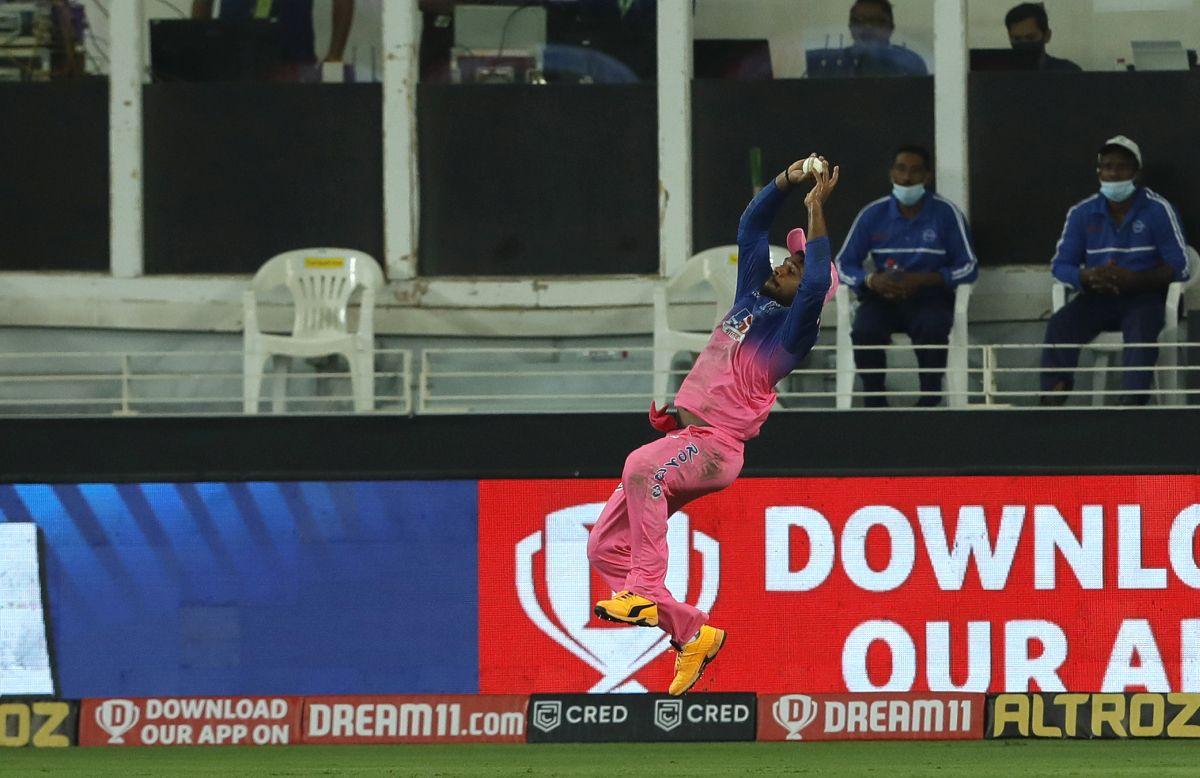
(796,240)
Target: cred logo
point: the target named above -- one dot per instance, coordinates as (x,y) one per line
(668,714)
(547,715)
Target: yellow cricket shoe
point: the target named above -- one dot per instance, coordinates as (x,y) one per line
(690,660)
(628,608)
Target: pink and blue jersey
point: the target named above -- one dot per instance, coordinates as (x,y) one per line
(732,385)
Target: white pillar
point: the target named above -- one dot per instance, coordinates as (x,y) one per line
(126,31)
(674,134)
(401,72)
(950,100)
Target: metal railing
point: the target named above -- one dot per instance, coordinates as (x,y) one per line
(544,380)
(192,383)
(582,380)
(570,380)
(1096,382)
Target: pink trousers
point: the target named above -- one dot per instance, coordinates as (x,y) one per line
(628,544)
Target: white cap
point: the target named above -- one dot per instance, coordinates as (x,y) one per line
(1125,143)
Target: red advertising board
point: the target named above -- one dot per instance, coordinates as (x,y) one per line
(867,585)
(194,721)
(870,716)
(422,718)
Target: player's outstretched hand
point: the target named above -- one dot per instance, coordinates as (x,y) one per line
(795,172)
(825,181)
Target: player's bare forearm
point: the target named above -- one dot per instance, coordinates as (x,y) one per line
(816,221)
(792,174)
(825,181)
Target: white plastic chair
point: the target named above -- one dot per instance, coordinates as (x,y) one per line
(321,281)
(718,268)
(1107,345)
(956,357)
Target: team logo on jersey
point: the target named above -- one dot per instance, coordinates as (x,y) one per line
(617,654)
(1139,226)
(929,235)
(737,325)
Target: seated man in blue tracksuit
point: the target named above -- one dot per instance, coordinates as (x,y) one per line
(921,249)
(1120,249)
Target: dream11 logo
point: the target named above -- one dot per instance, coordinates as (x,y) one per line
(116,717)
(617,654)
(794,712)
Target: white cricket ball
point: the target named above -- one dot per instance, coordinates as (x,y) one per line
(813,165)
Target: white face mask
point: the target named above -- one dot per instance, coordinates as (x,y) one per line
(1117,191)
(908,195)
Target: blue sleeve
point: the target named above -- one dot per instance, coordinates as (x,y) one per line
(962,266)
(854,252)
(1069,254)
(754,248)
(804,316)
(1168,237)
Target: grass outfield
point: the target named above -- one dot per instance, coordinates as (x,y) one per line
(970,758)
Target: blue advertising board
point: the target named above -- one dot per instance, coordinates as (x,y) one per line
(257,587)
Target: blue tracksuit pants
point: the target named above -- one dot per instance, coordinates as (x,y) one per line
(1139,318)
(926,318)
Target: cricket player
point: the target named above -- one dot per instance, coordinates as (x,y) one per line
(723,402)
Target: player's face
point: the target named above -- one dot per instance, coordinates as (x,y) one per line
(785,280)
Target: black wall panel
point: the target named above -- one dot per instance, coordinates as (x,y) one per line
(239,172)
(592,445)
(538,180)
(1034,138)
(54,179)
(523,180)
